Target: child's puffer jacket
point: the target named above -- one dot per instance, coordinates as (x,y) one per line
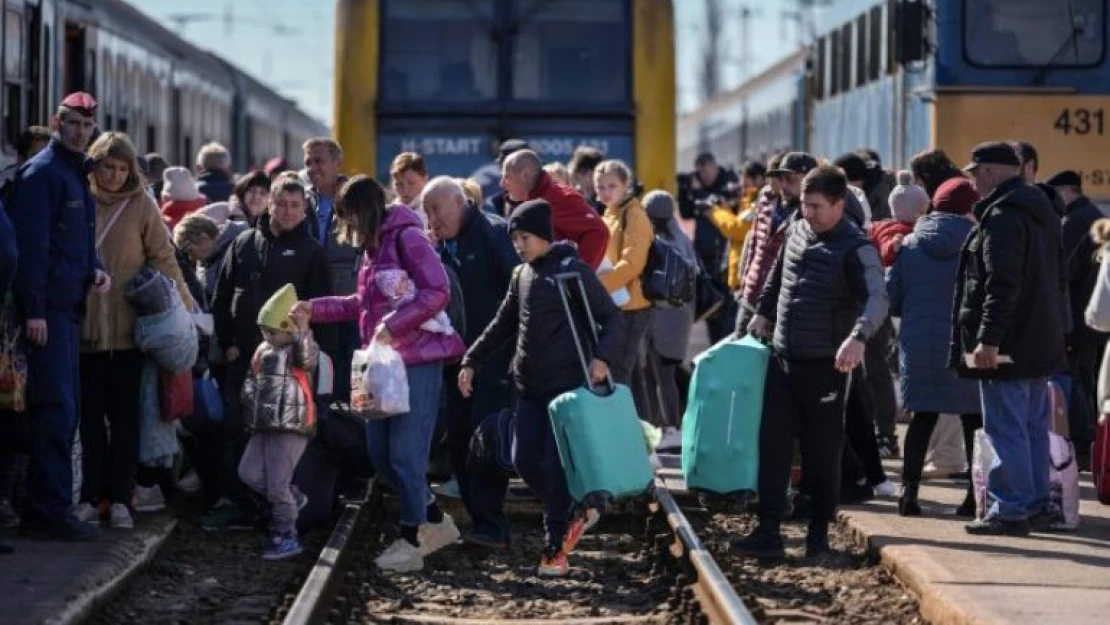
(278,395)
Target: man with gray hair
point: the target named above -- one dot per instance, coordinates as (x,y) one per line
(214,172)
(523,178)
(476,246)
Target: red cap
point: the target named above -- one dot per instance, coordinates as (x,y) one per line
(80,101)
(957,195)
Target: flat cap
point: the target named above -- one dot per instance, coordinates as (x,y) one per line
(993,153)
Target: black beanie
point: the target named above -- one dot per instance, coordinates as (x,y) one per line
(533,217)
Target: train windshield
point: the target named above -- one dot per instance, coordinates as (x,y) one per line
(1035,33)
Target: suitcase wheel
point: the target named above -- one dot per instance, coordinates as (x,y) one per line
(598,500)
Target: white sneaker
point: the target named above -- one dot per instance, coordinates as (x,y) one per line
(436,536)
(149,499)
(120,517)
(671,441)
(449,489)
(87,513)
(190,482)
(886,489)
(400,557)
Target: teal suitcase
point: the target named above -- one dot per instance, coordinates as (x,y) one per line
(597,431)
(720,429)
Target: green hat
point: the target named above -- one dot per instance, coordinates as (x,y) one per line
(275,312)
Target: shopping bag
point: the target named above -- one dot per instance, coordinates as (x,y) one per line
(175,394)
(208,405)
(379,382)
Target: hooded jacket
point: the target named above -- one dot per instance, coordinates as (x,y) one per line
(574,219)
(256,266)
(1010,290)
(921,284)
(277,394)
(884,233)
(216,185)
(766,241)
(404,245)
(546,361)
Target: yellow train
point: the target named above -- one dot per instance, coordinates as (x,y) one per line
(452,79)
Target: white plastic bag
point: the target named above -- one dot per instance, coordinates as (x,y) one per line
(1063,482)
(379,383)
(621,296)
(982,459)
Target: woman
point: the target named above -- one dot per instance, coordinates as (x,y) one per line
(130,234)
(921,284)
(670,330)
(933,168)
(394,239)
(251,196)
(630,239)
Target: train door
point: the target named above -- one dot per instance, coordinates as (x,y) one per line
(77,74)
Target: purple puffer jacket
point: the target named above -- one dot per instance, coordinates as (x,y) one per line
(402,229)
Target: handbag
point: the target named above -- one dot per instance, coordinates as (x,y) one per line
(13,360)
(175,394)
(208,405)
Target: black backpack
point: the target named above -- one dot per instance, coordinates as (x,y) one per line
(668,277)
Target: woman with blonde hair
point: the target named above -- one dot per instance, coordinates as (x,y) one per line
(559,172)
(130,234)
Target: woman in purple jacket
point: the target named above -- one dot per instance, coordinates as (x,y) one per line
(395,243)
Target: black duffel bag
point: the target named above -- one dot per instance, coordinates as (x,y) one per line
(491,446)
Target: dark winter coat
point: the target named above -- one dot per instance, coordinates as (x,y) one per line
(1080,266)
(546,361)
(483,258)
(259,263)
(54,215)
(1010,290)
(210,268)
(344,261)
(9,253)
(921,284)
(216,185)
(766,241)
(709,243)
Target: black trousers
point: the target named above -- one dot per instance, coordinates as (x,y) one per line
(110,424)
(860,428)
(917,441)
(629,369)
(879,378)
(803,399)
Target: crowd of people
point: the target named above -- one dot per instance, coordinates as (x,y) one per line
(977,278)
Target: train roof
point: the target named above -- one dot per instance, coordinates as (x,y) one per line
(786,67)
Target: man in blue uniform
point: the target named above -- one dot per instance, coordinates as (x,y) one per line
(55,224)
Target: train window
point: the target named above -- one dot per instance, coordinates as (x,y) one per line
(572,50)
(891,35)
(834,63)
(875,43)
(862,50)
(439,50)
(819,79)
(846,57)
(13,109)
(1034,33)
(13,46)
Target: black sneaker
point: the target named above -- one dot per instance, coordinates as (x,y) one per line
(1043,519)
(67,530)
(817,543)
(761,543)
(480,539)
(997,527)
(855,493)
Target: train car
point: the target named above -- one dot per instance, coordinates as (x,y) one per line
(165,93)
(451,80)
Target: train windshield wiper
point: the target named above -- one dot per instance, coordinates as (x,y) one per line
(1072,41)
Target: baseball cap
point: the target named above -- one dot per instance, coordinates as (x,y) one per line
(993,153)
(794,163)
(510,146)
(81,102)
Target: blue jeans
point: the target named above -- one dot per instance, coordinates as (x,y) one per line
(399,445)
(1016,417)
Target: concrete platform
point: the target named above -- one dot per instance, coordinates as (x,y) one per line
(57,583)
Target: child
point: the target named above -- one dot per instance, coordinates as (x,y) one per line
(279,409)
(546,363)
(908,202)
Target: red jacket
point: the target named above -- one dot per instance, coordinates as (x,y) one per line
(574,219)
(883,234)
(173,211)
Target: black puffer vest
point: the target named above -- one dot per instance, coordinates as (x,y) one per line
(817,306)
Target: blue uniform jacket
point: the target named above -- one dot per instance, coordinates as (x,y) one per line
(8,251)
(54,215)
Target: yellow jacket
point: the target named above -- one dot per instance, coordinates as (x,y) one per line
(630,239)
(735,227)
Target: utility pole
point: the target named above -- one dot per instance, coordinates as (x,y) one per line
(710,75)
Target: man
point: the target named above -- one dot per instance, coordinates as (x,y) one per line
(280,250)
(497,201)
(864,175)
(1008,332)
(214,172)
(1030,161)
(9,254)
(1084,345)
(54,216)
(825,298)
(29,143)
(523,178)
(736,226)
(476,245)
(582,165)
(771,221)
(156,166)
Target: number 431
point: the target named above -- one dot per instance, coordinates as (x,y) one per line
(1080,122)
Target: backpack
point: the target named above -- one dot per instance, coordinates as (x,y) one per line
(667,276)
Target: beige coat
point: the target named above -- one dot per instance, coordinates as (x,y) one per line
(139,237)
(630,237)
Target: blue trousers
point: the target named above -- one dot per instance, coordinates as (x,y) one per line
(1016,418)
(399,445)
(536,459)
(54,379)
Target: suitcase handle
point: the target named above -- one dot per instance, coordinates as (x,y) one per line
(561,280)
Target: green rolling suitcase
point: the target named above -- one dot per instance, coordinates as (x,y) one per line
(720,429)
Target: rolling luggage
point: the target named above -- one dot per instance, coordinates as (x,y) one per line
(720,428)
(597,431)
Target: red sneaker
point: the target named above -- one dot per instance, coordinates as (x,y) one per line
(579,525)
(553,564)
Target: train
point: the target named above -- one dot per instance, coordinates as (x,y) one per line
(166,94)
(902,76)
(452,80)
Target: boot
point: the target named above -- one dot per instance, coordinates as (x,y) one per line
(907,503)
(968,508)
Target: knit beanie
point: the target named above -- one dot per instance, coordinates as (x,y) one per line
(179,185)
(659,205)
(533,217)
(275,312)
(908,201)
(957,196)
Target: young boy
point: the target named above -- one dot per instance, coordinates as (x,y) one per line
(546,362)
(908,202)
(279,409)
